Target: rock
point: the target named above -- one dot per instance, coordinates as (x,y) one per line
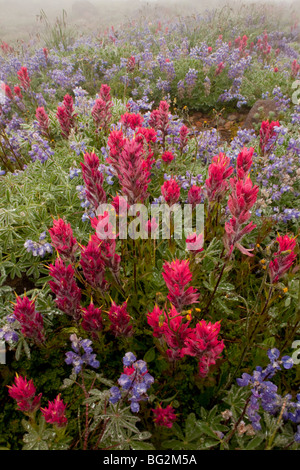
(232,117)
(267,107)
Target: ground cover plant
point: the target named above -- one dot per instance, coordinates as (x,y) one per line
(149,275)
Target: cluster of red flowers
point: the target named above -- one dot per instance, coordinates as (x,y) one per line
(93,179)
(24,392)
(159,120)
(132,120)
(200,342)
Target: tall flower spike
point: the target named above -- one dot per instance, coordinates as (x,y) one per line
(24,78)
(93,180)
(177,276)
(218,172)
(68,294)
(244,162)
(43,120)
(93,265)
(32,324)
(133,176)
(284,257)
(63,240)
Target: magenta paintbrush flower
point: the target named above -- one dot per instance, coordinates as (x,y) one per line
(93,179)
(164,416)
(132,120)
(284,257)
(55,413)
(203,344)
(218,172)
(93,265)
(115,142)
(32,324)
(177,276)
(242,199)
(23,392)
(170,191)
(120,320)
(266,133)
(92,319)
(43,120)
(132,174)
(195,195)
(244,162)
(68,294)
(24,78)
(63,240)
(66,116)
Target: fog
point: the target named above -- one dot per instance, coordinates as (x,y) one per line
(21,19)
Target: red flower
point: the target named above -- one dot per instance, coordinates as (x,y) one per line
(284,257)
(183,134)
(120,320)
(164,416)
(195,195)
(93,265)
(266,133)
(43,120)
(177,276)
(32,324)
(218,171)
(23,392)
(68,294)
(24,78)
(132,120)
(244,162)
(170,191)
(92,319)
(55,413)
(132,174)
(63,241)
(167,157)
(93,179)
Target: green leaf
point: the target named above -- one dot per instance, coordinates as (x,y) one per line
(150,355)
(254,443)
(205,429)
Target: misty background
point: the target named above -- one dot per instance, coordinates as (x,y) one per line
(21,19)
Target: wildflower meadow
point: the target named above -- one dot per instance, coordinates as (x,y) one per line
(149,233)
